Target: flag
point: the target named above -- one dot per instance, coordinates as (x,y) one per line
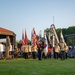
(26,38)
(61,36)
(40,35)
(23,36)
(45,44)
(45,39)
(33,37)
(49,38)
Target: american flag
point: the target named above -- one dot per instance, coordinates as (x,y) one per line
(33,37)
(23,36)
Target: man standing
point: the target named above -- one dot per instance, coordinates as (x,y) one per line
(66,51)
(40,47)
(1,50)
(62,46)
(62,50)
(57,50)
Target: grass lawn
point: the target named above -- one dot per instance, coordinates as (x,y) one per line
(36,67)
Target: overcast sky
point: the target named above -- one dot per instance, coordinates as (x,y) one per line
(16,15)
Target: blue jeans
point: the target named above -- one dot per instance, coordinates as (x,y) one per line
(39,55)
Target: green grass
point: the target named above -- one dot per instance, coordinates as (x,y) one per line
(36,67)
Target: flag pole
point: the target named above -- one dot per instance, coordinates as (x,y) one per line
(53,19)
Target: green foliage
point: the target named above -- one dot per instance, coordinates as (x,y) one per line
(71,30)
(70,42)
(58,32)
(65,31)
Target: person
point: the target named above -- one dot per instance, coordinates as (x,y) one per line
(70,52)
(29,53)
(10,51)
(16,52)
(34,52)
(45,50)
(62,50)
(1,50)
(40,47)
(74,51)
(57,50)
(23,52)
(50,51)
(26,52)
(19,53)
(66,51)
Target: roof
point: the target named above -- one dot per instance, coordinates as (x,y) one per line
(5,32)
(70,36)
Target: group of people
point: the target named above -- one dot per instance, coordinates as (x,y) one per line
(71,52)
(59,51)
(3,50)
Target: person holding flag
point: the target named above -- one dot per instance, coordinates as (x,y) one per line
(66,50)
(40,46)
(45,51)
(24,43)
(62,46)
(33,42)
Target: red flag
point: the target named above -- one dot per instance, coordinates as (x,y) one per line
(26,38)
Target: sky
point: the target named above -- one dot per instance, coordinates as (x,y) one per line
(17,15)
